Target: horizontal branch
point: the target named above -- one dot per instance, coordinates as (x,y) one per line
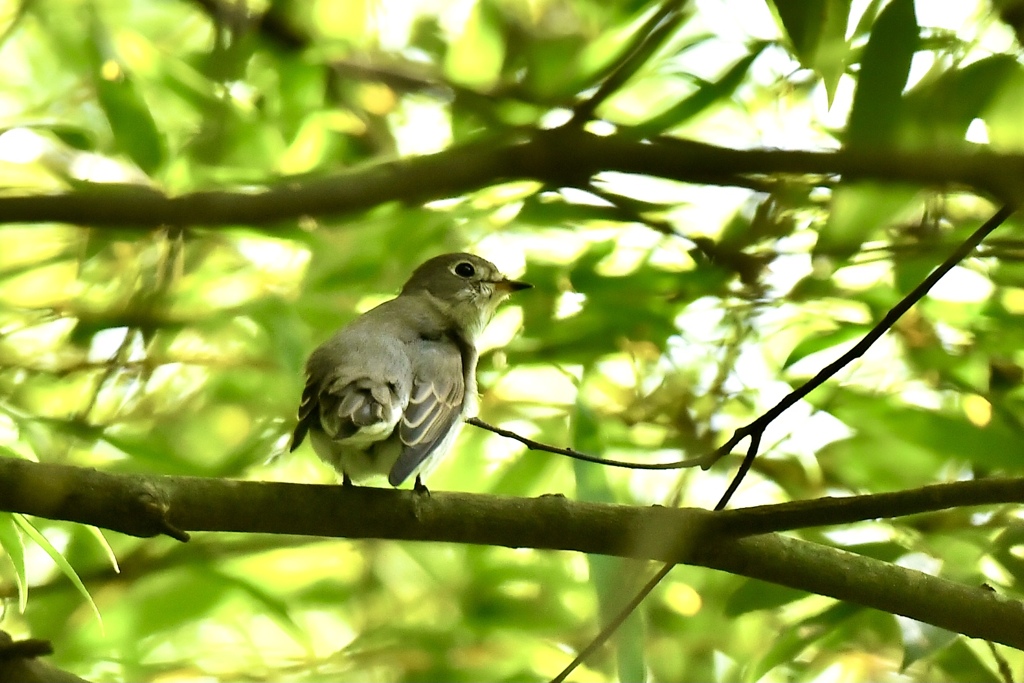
(148,505)
(561,157)
(20,661)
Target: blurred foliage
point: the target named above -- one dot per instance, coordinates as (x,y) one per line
(665,315)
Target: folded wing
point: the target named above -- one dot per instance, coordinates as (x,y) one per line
(435,405)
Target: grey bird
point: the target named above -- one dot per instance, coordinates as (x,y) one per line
(387,394)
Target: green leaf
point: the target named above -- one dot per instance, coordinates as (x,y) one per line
(867,19)
(802,22)
(857,212)
(101,540)
(939,112)
(134,128)
(65,568)
(706,95)
(73,135)
(523,474)
(1002,114)
(553,65)
(886,551)
(833,53)
(898,445)
(1007,549)
(910,269)
(921,640)
(817,31)
(754,595)
(641,305)
(876,111)
(160,607)
(546,211)
(488,600)
(10,541)
(795,639)
(476,55)
(273,605)
(149,451)
(826,340)
(961,662)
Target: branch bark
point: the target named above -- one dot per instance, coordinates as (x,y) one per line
(560,157)
(148,505)
(20,661)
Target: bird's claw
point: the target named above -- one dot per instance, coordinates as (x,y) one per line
(420,488)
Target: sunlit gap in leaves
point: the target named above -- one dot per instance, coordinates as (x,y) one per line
(24,147)
(705,327)
(39,566)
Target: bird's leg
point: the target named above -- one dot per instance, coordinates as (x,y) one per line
(346,481)
(420,488)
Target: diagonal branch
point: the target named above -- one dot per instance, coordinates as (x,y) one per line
(755,429)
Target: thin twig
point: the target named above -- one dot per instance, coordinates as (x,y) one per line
(572,453)
(614,624)
(755,429)
(758,426)
(1004,667)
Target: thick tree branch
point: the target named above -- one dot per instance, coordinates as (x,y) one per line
(149,505)
(19,661)
(561,157)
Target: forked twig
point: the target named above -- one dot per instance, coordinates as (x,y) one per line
(756,428)
(888,320)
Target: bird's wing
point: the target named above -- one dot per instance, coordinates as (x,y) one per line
(308,411)
(340,408)
(435,404)
(356,384)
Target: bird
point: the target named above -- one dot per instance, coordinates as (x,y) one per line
(387,394)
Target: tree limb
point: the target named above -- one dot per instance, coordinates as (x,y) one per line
(148,505)
(560,157)
(19,661)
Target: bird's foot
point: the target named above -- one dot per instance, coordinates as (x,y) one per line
(420,488)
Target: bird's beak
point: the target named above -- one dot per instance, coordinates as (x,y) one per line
(510,286)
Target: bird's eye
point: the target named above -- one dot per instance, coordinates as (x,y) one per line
(464,269)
